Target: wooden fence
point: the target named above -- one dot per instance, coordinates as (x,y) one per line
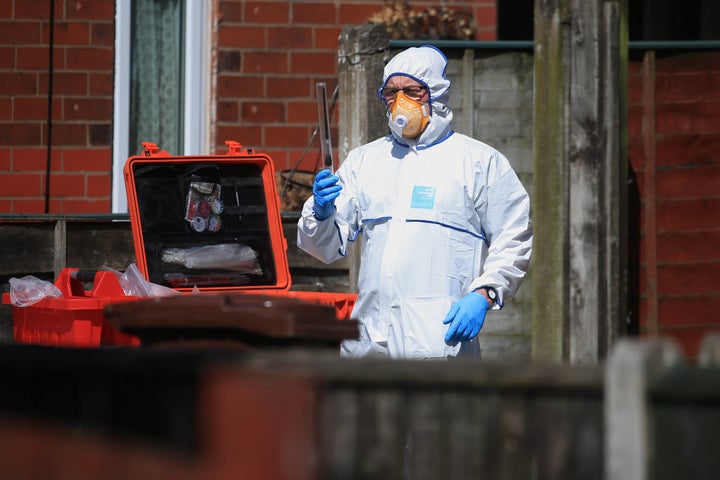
(154,413)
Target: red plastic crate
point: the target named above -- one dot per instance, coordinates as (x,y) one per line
(77,318)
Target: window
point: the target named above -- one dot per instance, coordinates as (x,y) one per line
(161,81)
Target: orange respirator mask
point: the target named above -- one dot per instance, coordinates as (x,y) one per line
(408,116)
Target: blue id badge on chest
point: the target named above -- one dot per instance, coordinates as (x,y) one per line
(423,197)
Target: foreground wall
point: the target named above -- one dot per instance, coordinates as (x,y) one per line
(175,413)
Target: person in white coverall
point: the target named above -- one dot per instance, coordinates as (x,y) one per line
(445,222)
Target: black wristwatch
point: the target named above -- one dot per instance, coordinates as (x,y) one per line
(491,292)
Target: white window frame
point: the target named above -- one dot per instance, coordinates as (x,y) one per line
(197,92)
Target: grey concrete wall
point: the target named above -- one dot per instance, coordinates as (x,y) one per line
(502,113)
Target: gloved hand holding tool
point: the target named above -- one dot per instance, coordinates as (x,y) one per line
(325,191)
(466,317)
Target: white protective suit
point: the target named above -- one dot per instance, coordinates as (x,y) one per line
(440,216)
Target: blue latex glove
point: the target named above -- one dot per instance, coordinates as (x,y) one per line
(325,191)
(466,317)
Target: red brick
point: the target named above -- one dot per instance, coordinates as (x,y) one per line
(32,159)
(6,109)
(4,160)
(227,111)
(6,12)
(67,185)
(32,108)
(357,13)
(230,12)
(69,134)
(289,37)
(327,38)
(314,13)
(228,61)
(302,112)
(89,206)
(87,160)
(486,34)
(20,134)
(32,58)
(286,136)
(265,62)
(313,63)
(100,84)
(92,58)
(250,137)
(262,112)
(59,56)
(31,9)
(102,34)
(21,184)
(87,109)
(242,37)
(71,33)
(486,16)
(698,182)
(68,83)
(99,185)
(100,134)
(284,87)
(28,206)
(7,57)
(267,12)
(18,83)
(239,87)
(91,9)
(20,32)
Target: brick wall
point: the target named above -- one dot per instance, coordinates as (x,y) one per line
(77,93)
(270,55)
(674,153)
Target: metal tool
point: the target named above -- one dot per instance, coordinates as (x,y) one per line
(324,127)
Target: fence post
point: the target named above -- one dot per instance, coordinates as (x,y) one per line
(709,354)
(361,59)
(630,366)
(579,197)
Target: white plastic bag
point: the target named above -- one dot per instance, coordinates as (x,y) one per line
(225,256)
(29,290)
(135,285)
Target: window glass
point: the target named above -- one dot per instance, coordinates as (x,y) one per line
(156,74)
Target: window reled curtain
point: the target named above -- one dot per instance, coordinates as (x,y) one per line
(156,77)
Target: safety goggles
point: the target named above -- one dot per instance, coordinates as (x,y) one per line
(415,92)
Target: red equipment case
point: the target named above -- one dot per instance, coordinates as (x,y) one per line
(179,205)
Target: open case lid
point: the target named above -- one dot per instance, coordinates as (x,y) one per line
(207,221)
